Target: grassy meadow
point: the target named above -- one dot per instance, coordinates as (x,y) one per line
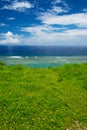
(43,98)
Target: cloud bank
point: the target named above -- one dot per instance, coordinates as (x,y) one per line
(53,26)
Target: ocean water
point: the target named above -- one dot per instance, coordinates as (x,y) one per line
(42,56)
(42,50)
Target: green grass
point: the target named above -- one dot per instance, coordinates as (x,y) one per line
(43,99)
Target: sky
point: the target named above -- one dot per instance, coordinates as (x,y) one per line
(43,22)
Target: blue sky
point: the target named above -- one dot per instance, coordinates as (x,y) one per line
(43,22)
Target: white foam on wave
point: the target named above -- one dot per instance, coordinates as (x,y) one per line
(15,57)
(35,57)
(58,57)
(26,57)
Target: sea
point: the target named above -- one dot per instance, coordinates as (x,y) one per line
(42,56)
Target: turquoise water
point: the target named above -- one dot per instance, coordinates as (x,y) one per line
(42,61)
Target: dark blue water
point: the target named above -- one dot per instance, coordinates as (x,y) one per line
(42,50)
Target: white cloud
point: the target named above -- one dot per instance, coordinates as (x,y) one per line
(78,19)
(2,24)
(85,10)
(56,2)
(11,18)
(18,6)
(9,37)
(76,32)
(57,10)
(41,28)
(65,4)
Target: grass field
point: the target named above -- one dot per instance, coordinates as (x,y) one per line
(43,99)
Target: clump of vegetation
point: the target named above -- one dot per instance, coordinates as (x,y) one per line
(1,63)
(43,99)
